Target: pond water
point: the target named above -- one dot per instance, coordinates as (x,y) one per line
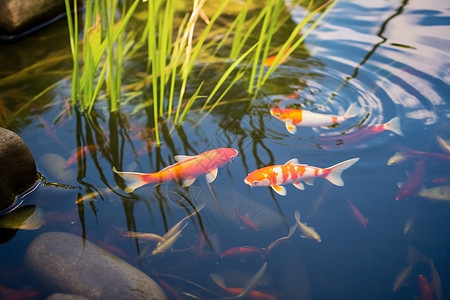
(389,57)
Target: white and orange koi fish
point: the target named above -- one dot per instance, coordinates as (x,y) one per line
(187,169)
(303,118)
(293,172)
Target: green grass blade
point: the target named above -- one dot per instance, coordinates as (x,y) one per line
(269,35)
(189,103)
(256,57)
(289,46)
(227,74)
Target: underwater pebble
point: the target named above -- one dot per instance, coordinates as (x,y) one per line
(18,169)
(53,164)
(65,263)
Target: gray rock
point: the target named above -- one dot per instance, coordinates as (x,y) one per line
(65,263)
(17,168)
(22,14)
(61,296)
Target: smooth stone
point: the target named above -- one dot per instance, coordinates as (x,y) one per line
(54,169)
(17,168)
(23,14)
(65,263)
(61,296)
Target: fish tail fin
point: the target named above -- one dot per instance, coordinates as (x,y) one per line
(297,215)
(352,111)
(394,126)
(335,172)
(134,180)
(218,280)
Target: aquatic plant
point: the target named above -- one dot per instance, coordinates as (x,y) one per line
(173,48)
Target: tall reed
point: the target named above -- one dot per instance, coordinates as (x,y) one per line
(173,48)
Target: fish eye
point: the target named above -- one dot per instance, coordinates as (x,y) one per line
(232,157)
(255,182)
(278,114)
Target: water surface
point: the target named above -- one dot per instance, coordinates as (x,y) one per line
(390,57)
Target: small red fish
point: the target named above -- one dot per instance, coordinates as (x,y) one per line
(243,251)
(434,155)
(359,216)
(50,131)
(293,172)
(21,295)
(170,290)
(441,180)
(271,59)
(246,221)
(253,295)
(414,182)
(357,136)
(78,153)
(424,288)
(248,292)
(188,168)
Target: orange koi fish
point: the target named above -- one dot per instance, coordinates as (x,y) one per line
(188,168)
(303,118)
(293,172)
(271,59)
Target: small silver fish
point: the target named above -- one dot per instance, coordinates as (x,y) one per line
(438,193)
(171,236)
(443,143)
(397,158)
(401,278)
(307,231)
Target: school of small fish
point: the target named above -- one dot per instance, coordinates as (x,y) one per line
(188,169)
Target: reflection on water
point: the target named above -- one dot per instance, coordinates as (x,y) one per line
(388,57)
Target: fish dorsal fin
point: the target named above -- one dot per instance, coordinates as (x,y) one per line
(281,190)
(291,128)
(293,161)
(211,176)
(183,157)
(299,185)
(188,181)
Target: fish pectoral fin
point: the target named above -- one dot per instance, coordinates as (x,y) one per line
(291,128)
(281,190)
(188,181)
(211,176)
(179,158)
(293,161)
(299,185)
(309,181)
